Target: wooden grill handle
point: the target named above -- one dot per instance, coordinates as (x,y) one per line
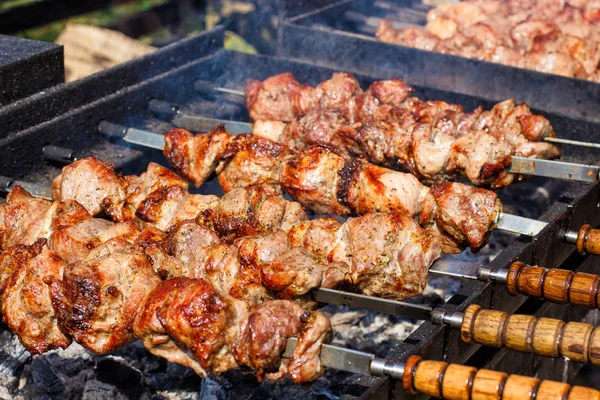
(454,381)
(555,285)
(544,336)
(588,240)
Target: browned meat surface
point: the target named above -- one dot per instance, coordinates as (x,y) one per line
(159,198)
(264,335)
(20,218)
(189,314)
(195,157)
(252,161)
(27,304)
(390,254)
(25,219)
(11,260)
(279,97)
(466,212)
(140,190)
(97,299)
(148,328)
(93,184)
(74,243)
(557,37)
(386,255)
(252,269)
(188,322)
(433,140)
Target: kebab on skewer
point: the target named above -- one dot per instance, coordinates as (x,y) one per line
(327,182)
(184,244)
(554,37)
(433,140)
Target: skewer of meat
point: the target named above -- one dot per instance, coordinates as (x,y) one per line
(327,182)
(381,254)
(114,296)
(433,140)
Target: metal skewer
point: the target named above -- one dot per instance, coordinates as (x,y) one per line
(519,165)
(427,377)
(586,239)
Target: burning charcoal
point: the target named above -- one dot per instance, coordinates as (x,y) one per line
(46,377)
(96,390)
(116,371)
(212,390)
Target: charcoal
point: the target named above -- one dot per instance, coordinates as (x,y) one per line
(212,390)
(12,354)
(46,377)
(116,371)
(96,390)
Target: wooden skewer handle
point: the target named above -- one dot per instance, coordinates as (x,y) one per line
(545,336)
(588,240)
(555,285)
(454,381)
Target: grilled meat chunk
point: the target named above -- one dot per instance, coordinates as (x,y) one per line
(159,198)
(188,322)
(385,255)
(27,304)
(20,218)
(196,157)
(264,335)
(93,184)
(279,97)
(466,212)
(75,242)
(97,299)
(24,218)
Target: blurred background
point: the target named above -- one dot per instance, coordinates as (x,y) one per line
(98,34)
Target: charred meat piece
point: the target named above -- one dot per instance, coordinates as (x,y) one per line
(188,322)
(27,303)
(97,299)
(264,335)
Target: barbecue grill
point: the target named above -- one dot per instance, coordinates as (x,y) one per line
(342,35)
(43,132)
